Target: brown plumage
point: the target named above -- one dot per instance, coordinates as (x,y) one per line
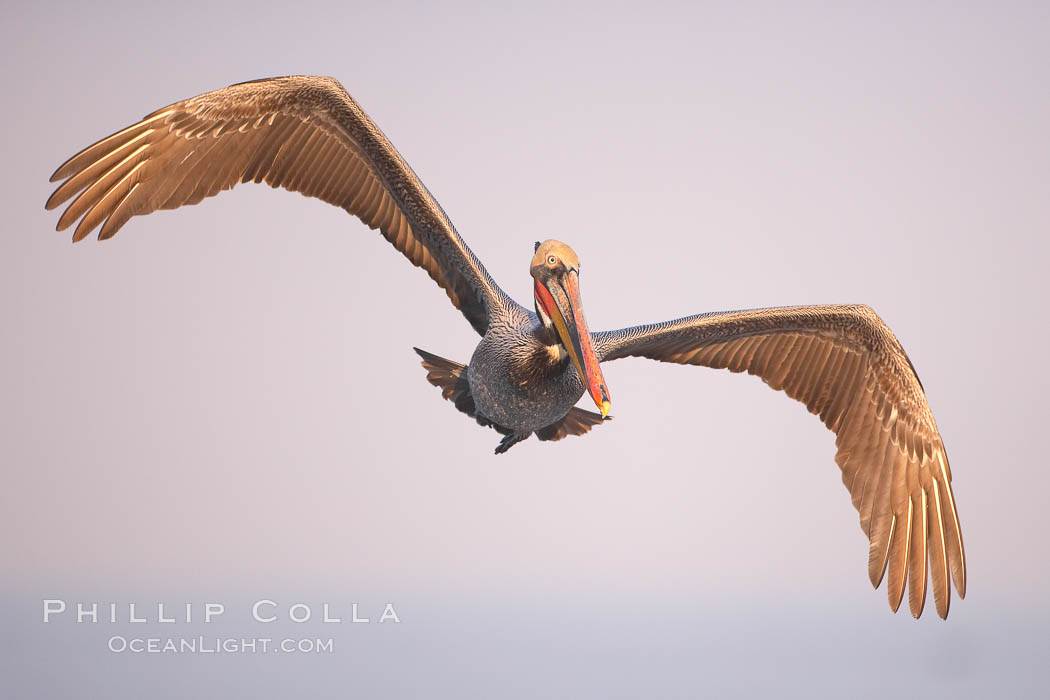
(302,133)
(306,134)
(846,366)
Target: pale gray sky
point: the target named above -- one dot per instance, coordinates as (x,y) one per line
(222,402)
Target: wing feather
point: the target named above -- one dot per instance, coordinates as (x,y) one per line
(880,516)
(917,557)
(900,544)
(942,590)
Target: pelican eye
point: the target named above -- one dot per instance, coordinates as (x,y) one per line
(552,260)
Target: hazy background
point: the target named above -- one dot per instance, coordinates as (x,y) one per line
(222,404)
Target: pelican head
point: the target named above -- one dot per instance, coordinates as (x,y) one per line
(556,271)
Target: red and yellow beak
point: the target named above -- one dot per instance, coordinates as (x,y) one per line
(560,300)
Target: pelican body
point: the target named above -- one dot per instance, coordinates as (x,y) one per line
(532,366)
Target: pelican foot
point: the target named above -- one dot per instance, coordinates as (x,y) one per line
(509,441)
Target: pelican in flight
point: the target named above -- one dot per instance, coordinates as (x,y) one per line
(532,366)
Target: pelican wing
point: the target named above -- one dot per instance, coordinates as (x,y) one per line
(845,365)
(302,133)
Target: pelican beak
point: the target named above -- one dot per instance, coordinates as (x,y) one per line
(560,297)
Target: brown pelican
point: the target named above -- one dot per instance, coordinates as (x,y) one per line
(525,377)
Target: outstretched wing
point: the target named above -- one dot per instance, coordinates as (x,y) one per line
(845,365)
(302,133)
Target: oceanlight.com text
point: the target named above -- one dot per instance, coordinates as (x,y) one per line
(218,645)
